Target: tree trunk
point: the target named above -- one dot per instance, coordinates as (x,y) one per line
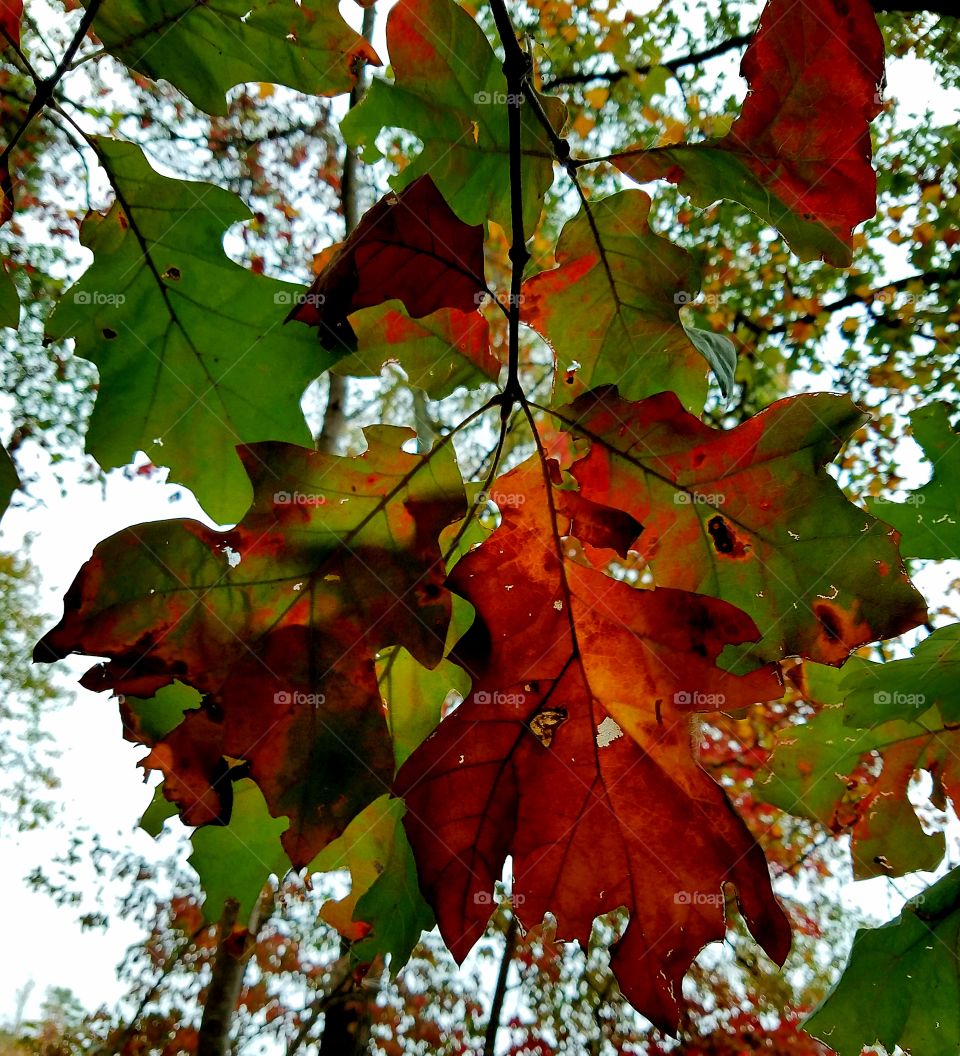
(229,968)
(334,428)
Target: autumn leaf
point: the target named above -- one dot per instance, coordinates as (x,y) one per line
(611,309)
(410,247)
(384,913)
(186,341)
(929,518)
(450,92)
(11,11)
(901,988)
(277,623)
(855,781)
(306,46)
(438,353)
(572,754)
(751,516)
(799,153)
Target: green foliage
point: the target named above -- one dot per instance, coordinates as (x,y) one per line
(206,49)
(929,519)
(186,341)
(450,91)
(901,986)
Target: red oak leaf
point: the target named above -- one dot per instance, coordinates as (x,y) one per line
(752,516)
(277,622)
(573,753)
(409,247)
(799,153)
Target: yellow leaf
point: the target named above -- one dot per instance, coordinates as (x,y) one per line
(596,97)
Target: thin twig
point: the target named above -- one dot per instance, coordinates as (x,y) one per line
(673,65)
(496,1008)
(47,86)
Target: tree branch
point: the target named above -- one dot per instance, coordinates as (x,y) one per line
(46,87)
(937,275)
(611,77)
(496,1008)
(338,391)
(516,66)
(319,1005)
(673,65)
(229,967)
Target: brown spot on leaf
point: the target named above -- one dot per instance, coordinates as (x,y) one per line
(830,620)
(172,273)
(546,723)
(724,539)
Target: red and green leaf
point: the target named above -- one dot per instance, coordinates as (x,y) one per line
(410,247)
(752,516)
(799,154)
(610,310)
(572,754)
(450,92)
(277,623)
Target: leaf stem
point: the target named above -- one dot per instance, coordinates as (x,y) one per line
(516,65)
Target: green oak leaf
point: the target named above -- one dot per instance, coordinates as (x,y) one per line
(929,519)
(611,308)
(9,479)
(812,763)
(415,694)
(901,986)
(905,689)
(393,905)
(204,49)
(192,353)
(450,91)
(718,350)
(236,860)
(158,813)
(383,878)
